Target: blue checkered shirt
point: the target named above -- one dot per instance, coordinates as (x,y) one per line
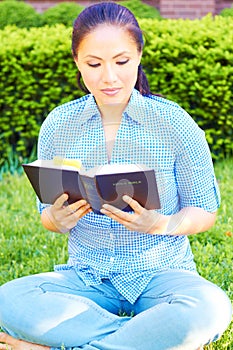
(154,132)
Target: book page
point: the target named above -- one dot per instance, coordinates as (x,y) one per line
(115,168)
(52,164)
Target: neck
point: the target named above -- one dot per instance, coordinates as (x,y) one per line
(112,113)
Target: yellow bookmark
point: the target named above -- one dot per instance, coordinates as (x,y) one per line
(65,161)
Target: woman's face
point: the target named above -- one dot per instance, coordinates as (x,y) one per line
(108,61)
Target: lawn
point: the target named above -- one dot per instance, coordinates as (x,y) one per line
(27,248)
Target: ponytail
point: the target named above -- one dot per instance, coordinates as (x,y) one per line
(81,85)
(142,84)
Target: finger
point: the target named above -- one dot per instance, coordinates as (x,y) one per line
(86,212)
(137,208)
(71,220)
(59,202)
(112,211)
(123,218)
(77,205)
(115,217)
(79,211)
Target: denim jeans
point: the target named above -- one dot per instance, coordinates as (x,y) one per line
(179,310)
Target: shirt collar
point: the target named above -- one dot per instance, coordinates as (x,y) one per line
(136,108)
(90,110)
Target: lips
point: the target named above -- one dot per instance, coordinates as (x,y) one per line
(110,91)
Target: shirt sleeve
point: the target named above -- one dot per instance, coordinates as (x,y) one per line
(194,171)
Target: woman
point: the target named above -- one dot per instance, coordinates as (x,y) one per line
(138,263)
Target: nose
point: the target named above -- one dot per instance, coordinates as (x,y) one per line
(109,75)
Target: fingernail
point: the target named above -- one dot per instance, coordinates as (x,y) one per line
(126,197)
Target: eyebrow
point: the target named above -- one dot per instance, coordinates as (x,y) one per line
(99,58)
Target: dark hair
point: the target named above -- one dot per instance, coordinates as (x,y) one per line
(114,14)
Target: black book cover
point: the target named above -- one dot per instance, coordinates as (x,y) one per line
(140,185)
(50,183)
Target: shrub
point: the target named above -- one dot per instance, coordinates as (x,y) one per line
(227,12)
(189,62)
(19,13)
(37,73)
(140,9)
(64,13)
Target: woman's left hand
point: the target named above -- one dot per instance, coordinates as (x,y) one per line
(142,220)
(187,221)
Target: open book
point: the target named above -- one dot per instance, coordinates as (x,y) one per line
(103,184)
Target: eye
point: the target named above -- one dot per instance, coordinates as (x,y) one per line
(94,65)
(121,63)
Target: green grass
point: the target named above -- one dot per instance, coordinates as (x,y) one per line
(27,248)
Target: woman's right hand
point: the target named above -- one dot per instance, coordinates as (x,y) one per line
(60,217)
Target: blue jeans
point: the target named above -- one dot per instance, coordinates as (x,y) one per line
(179,310)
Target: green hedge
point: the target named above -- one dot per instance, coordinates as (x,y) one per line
(36,73)
(227,12)
(23,15)
(63,13)
(140,9)
(187,61)
(191,62)
(18,13)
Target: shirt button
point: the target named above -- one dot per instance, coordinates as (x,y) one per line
(112,259)
(111,235)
